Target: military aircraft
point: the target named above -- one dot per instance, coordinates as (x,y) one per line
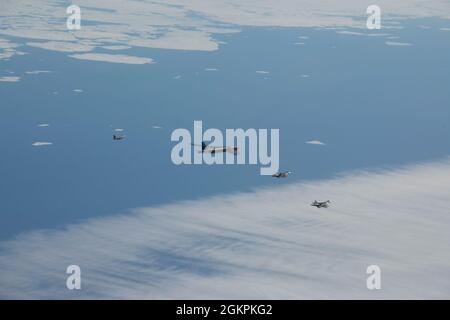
(283,174)
(324,204)
(118,137)
(210,149)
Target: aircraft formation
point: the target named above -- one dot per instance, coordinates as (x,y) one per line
(206,148)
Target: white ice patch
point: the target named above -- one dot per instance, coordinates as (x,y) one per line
(316,142)
(37,71)
(114,58)
(9,79)
(398,44)
(41,143)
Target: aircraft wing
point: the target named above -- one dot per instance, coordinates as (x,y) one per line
(219,149)
(231,149)
(196,145)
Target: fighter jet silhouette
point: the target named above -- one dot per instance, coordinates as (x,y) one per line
(118,137)
(324,204)
(283,174)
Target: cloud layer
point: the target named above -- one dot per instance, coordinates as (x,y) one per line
(265,244)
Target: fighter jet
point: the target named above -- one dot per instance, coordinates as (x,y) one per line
(118,137)
(210,149)
(283,174)
(319,205)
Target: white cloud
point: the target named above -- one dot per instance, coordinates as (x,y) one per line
(9,79)
(41,144)
(262,72)
(211,69)
(115,58)
(316,142)
(77,90)
(264,244)
(42,125)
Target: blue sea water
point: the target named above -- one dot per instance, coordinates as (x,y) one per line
(374,106)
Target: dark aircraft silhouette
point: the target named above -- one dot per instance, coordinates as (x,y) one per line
(118,137)
(209,149)
(283,174)
(319,205)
